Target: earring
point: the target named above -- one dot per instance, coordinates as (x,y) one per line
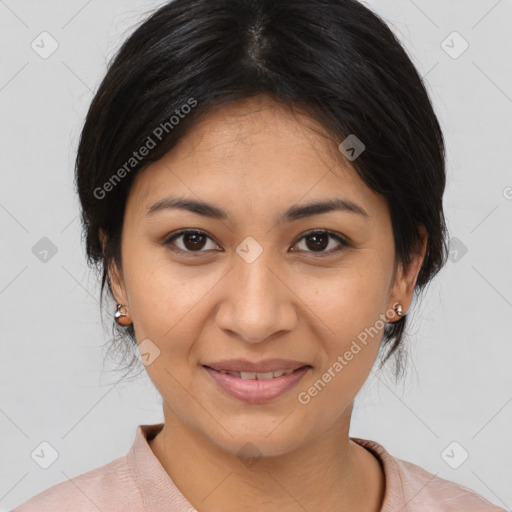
(121,315)
(399,310)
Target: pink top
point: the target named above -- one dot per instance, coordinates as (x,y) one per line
(138,482)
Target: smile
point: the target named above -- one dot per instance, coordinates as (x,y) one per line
(256,387)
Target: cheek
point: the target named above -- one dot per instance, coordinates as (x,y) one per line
(349,308)
(170,308)
(345,301)
(160,291)
(350,328)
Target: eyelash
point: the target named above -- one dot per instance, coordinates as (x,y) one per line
(343,243)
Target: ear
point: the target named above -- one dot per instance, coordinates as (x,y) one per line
(405,280)
(115,275)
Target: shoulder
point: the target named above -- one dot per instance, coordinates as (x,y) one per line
(410,487)
(109,487)
(439,494)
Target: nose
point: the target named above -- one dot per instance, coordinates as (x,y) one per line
(256,303)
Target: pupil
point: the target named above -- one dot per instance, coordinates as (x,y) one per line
(195,244)
(323,241)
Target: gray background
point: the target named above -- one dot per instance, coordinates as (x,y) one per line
(54,385)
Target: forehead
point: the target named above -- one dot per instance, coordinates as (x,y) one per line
(255,150)
(258,130)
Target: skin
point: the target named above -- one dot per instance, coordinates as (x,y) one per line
(255,159)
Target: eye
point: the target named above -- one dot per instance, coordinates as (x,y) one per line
(192,240)
(320,240)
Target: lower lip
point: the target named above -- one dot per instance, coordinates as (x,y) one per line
(257,391)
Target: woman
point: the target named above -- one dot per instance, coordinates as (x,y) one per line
(261,185)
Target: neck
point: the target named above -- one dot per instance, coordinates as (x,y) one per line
(330,472)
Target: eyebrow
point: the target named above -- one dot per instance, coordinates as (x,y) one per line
(293,213)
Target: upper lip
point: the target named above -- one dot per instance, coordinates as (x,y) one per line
(266,365)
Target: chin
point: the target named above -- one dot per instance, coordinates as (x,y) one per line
(266,439)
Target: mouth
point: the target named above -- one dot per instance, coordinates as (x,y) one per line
(256,387)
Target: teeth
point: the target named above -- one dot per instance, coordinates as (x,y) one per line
(247,375)
(258,376)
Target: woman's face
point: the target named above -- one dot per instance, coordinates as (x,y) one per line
(255,284)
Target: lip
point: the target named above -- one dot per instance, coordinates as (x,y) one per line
(266,365)
(253,390)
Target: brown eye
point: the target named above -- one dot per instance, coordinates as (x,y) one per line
(191,241)
(318,241)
